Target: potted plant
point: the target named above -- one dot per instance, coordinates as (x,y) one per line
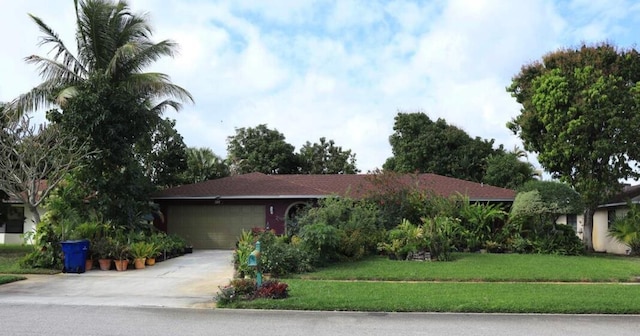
(89,231)
(103,249)
(120,255)
(140,251)
(155,251)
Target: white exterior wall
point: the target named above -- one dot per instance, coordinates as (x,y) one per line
(579,227)
(601,240)
(29,225)
(10,238)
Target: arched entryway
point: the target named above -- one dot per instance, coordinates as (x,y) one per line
(290,215)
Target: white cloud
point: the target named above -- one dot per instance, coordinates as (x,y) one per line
(338,69)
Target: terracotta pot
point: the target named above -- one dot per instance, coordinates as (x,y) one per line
(105,264)
(139,263)
(88,264)
(151,261)
(121,265)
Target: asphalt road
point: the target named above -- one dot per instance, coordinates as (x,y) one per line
(67,320)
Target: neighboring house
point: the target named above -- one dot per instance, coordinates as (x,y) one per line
(212,214)
(604,216)
(16,221)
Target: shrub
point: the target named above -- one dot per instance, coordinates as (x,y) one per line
(341,228)
(280,258)
(273,289)
(226,295)
(244,286)
(321,240)
(246,289)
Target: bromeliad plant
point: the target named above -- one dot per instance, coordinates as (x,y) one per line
(404,239)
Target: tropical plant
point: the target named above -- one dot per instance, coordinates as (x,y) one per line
(626,230)
(139,250)
(404,239)
(481,222)
(202,165)
(440,231)
(111,40)
(107,100)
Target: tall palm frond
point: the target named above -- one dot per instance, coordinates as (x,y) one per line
(111,40)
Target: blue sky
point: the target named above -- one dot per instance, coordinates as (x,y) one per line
(339,69)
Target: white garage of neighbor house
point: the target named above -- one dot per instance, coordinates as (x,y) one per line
(212,214)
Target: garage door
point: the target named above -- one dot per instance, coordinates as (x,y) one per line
(216,226)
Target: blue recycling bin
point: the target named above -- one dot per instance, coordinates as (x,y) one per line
(75,254)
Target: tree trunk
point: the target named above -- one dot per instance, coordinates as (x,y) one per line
(588,228)
(36,214)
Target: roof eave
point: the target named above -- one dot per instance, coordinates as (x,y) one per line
(204,198)
(245,197)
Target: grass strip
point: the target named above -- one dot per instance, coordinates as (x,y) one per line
(10,278)
(10,256)
(15,248)
(456,297)
(489,268)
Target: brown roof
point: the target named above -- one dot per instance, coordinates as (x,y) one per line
(258,185)
(628,193)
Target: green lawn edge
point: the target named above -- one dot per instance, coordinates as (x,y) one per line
(5,279)
(455,297)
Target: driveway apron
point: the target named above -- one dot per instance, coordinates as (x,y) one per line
(189,281)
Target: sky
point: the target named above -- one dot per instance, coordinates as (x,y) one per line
(338,69)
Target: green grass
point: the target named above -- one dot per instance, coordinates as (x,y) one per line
(496,283)
(10,278)
(10,256)
(490,268)
(456,297)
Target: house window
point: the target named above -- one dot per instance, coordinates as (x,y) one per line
(12,220)
(611,217)
(573,221)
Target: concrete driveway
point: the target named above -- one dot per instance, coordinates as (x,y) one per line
(190,281)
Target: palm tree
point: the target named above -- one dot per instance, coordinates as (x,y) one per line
(203,164)
(626,230)
(112,42)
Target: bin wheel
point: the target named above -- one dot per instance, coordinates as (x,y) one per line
(64,270)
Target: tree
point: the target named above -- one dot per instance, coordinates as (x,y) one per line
(111,41)
(558,198)
(260,149)
(326,158)
(33,161)
(580,114)
(106,99)
(507,171)
(423,146)
(163,155)
(202,165)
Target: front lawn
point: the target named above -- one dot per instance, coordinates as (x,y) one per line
(456,297)
(490,267)
(10,256)
(498,283)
